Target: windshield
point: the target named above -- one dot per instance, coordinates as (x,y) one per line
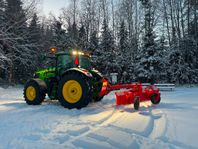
(67,61)
(84,62)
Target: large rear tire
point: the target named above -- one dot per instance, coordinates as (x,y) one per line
(74,91)
(34,92)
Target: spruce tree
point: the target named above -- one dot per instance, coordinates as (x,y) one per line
(93,42)
(177,68)
(82,43)
(59,37)
(15,16)
(48,37)
(148,59)
(73,36)
(106,52)
(35,30)
(124,54)
(4,60)
(161,57)
(2,6)
(18,48)
(36,45)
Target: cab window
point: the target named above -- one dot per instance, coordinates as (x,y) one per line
(66,61)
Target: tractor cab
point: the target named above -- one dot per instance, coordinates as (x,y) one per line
(72,59)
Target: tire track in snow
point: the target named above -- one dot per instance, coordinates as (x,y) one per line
(160,127)
(157,124)
(150,135)
(75,134)
(155,128)
(105,122)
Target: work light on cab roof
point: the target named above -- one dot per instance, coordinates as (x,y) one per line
(80,53)
(53,50)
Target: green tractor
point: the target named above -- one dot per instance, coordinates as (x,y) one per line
(73,81)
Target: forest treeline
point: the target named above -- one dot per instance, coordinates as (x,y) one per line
(141,40)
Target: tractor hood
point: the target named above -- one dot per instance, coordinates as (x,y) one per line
(46,73)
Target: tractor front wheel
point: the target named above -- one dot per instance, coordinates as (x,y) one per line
(74,91)
(34,93)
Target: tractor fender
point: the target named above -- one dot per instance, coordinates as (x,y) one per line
(40,83)
(79,70)
(97,73)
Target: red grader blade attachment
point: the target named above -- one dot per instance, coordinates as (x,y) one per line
(132,93)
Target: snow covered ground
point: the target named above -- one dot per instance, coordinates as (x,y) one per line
(172,124)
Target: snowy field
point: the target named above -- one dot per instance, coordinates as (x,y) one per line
(172,124)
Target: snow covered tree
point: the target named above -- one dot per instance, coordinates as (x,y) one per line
(73,36)
(16,45)
(4,60)
(93,42)
(193,25)
(106,52)
(47,36)
(148,59)
(128,40)
(82,42)
(124,58)
(93,47)
(15,16)
(181,62)
(36,45)
(123,39)
(161,56)
(177,67)
(59,36)
(2,6)
(35,30)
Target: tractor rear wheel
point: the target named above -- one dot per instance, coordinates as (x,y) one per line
(74,91)
(34,93)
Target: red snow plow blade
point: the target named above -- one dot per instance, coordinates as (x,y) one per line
(134,93)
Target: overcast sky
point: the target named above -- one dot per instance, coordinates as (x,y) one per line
(53,6)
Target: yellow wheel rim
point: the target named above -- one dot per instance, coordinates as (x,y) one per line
(31,93)
(72,91)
